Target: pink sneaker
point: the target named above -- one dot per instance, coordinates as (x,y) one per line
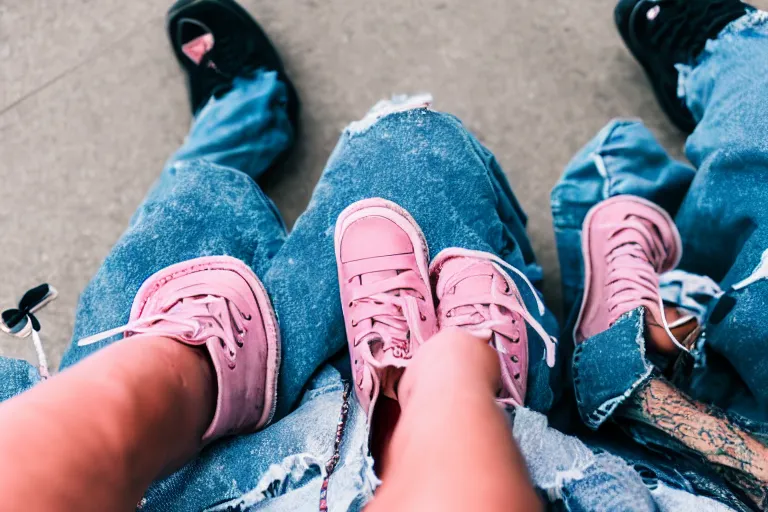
(218,302)
(475,292)
(385,294)
(627,242)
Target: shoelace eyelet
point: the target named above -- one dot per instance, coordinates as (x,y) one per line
(231,356)
(515,359)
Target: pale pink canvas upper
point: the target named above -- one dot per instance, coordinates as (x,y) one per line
(627,242)
(475,292)
(388,309)
(216,302)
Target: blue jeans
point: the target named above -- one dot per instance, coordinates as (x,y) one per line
(201,205)
(721,208)
(207,202)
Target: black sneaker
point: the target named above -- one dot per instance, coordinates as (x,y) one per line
(662,33)
(217,40)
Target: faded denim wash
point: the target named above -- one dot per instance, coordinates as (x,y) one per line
(400,146)
(207,202)
(721,207)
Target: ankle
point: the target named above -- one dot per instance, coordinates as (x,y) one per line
(675,326)
(187,373)
(160,392)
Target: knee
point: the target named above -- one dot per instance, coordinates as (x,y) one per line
(412,129)
(411,150)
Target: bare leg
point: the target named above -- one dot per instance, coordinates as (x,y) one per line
(452,448)
(706,432)
(95,436)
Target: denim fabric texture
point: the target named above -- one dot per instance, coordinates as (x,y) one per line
(722,215)
(727,204)
(724,202)
(609,367)
(657,460)
(207,202)
(607,474)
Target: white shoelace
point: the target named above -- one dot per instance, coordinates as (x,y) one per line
(399,314)
(550,342)
(188,318)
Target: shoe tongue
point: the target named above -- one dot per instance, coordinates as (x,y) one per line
(374,277)
(198,47)
(653,249)
(389,378)
(188,309)
(476,278)
(393,366)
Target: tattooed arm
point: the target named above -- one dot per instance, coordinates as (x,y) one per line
(739,457)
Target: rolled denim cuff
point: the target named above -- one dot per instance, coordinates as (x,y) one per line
(609,367)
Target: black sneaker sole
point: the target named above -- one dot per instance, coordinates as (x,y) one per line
(664,83)
(293,107)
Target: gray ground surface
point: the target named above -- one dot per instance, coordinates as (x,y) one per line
(92,103)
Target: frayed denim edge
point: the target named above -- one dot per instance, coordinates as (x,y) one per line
(599,416)
(749,20)
(277,481)
(384,108)
(536,439)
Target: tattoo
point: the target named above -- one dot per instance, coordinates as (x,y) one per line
(706,432)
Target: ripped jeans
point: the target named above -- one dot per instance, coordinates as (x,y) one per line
(207,202)
(721,208)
